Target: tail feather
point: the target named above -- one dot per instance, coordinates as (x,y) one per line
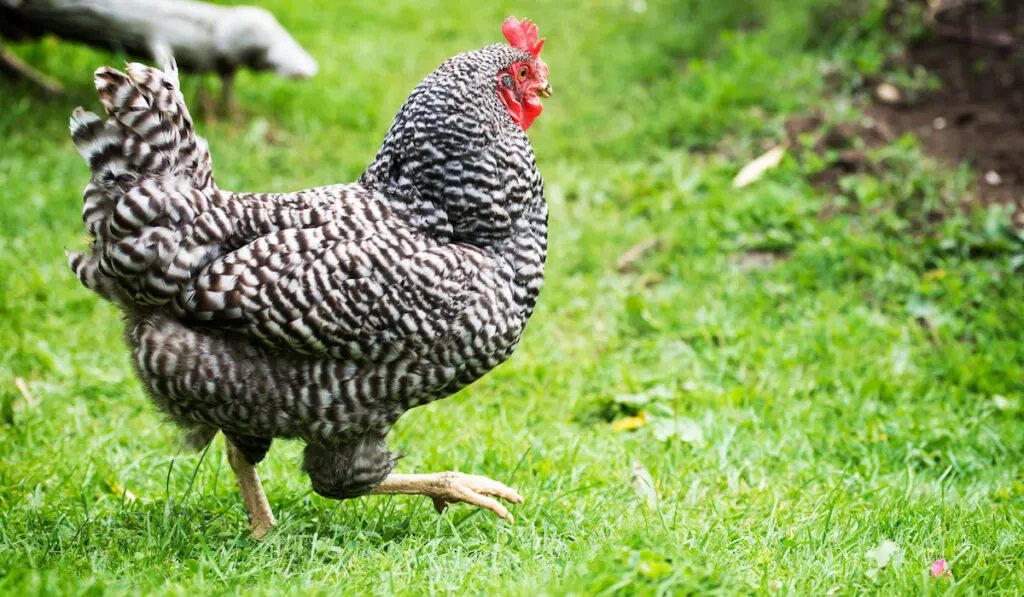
(152,208)
(152,176)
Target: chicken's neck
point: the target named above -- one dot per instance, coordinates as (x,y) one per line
(460,170)
(490,199)
(513,227)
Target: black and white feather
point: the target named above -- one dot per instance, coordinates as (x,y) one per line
(322,314)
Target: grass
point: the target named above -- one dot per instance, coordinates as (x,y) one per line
(859,384)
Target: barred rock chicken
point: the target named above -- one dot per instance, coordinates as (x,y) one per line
(323,314)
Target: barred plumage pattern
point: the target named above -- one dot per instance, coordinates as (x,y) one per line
(322,314)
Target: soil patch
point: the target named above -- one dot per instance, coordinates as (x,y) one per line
(976,49)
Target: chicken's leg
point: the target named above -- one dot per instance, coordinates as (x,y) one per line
(228,103)
(450,487)
(261,519)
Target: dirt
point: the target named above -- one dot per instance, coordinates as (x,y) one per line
(846,139)
(978,113)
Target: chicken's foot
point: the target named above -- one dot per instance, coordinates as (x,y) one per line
(261,519)
(451,487)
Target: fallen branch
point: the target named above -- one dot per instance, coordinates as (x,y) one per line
(16,67)
(30,400)
(202,38)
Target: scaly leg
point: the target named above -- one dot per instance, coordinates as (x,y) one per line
(449,488)
(261,519)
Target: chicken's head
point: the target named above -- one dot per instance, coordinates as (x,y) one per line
(524,82)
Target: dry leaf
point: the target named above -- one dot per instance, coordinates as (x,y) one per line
(630,423)
(120,492)
(885,555)
(682,428)
(630,257)
(643,484)
(887,93)
(753,171)
(30,400)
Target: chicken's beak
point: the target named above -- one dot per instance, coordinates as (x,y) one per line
(545,91)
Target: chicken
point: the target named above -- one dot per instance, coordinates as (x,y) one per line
(201,37)
(323,314)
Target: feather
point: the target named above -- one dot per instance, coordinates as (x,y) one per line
(321,314)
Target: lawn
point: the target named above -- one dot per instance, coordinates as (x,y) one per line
(822,385)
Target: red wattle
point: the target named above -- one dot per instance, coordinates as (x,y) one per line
(531,109)
(522,113)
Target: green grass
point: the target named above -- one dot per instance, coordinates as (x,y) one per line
(864,389)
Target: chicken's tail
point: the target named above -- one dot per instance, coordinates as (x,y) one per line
(152,179)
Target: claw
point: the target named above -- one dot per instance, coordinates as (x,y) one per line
(449,488)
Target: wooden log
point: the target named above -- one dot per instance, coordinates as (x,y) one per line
(201,37)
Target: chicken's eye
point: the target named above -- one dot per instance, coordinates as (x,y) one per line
(508,82)
(523,72)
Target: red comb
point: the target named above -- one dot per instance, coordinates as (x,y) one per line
(522,35)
